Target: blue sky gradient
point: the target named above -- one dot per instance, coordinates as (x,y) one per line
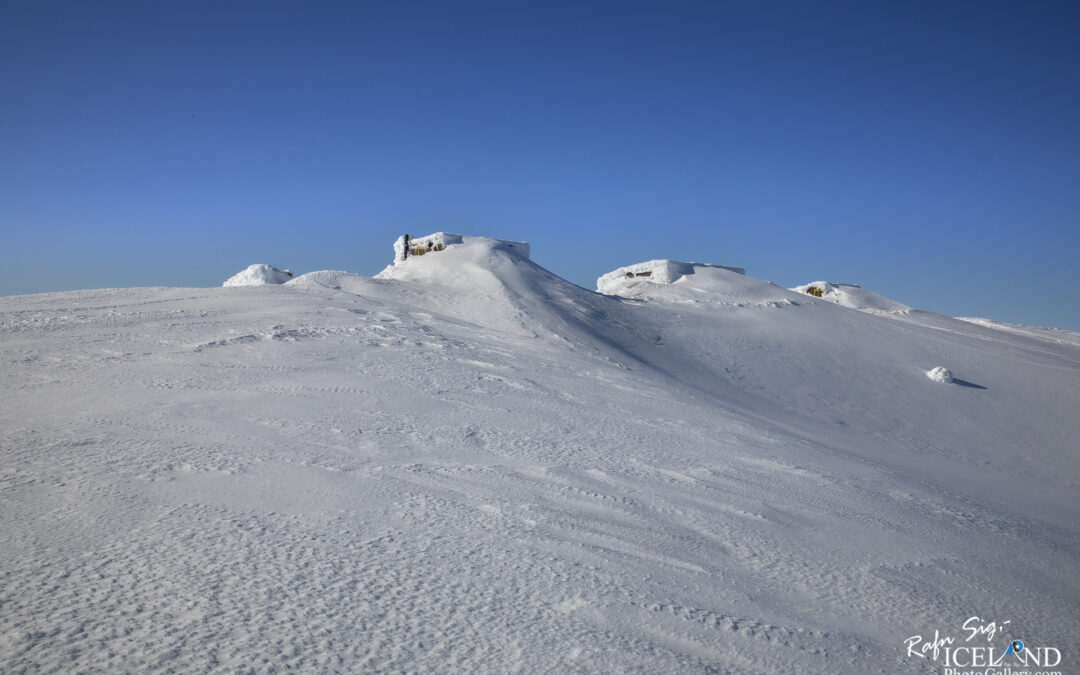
(929,151)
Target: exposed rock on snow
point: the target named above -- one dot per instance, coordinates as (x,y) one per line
(852,296)
(940,374)
(259,275)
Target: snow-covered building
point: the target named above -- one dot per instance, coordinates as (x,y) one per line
(852,296)
(408,246)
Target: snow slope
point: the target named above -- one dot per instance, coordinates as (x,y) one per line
(468,463)
(1055,335)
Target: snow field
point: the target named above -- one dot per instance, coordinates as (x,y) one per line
(471,464)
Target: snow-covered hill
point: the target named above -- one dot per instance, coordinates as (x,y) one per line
(469,463)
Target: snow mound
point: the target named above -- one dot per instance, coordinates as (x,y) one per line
(852,296)
(940,374)
(337,280)
(259,275)
(675,281)
(486,281)
(653,271)
(476,263)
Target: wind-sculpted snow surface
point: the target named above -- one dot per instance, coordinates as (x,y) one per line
(470,464)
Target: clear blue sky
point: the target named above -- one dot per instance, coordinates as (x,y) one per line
(927,150)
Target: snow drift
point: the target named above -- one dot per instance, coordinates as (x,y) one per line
(492,282)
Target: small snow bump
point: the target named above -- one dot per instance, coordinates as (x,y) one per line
(940,374)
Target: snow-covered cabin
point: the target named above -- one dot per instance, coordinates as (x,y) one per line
(408,246)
